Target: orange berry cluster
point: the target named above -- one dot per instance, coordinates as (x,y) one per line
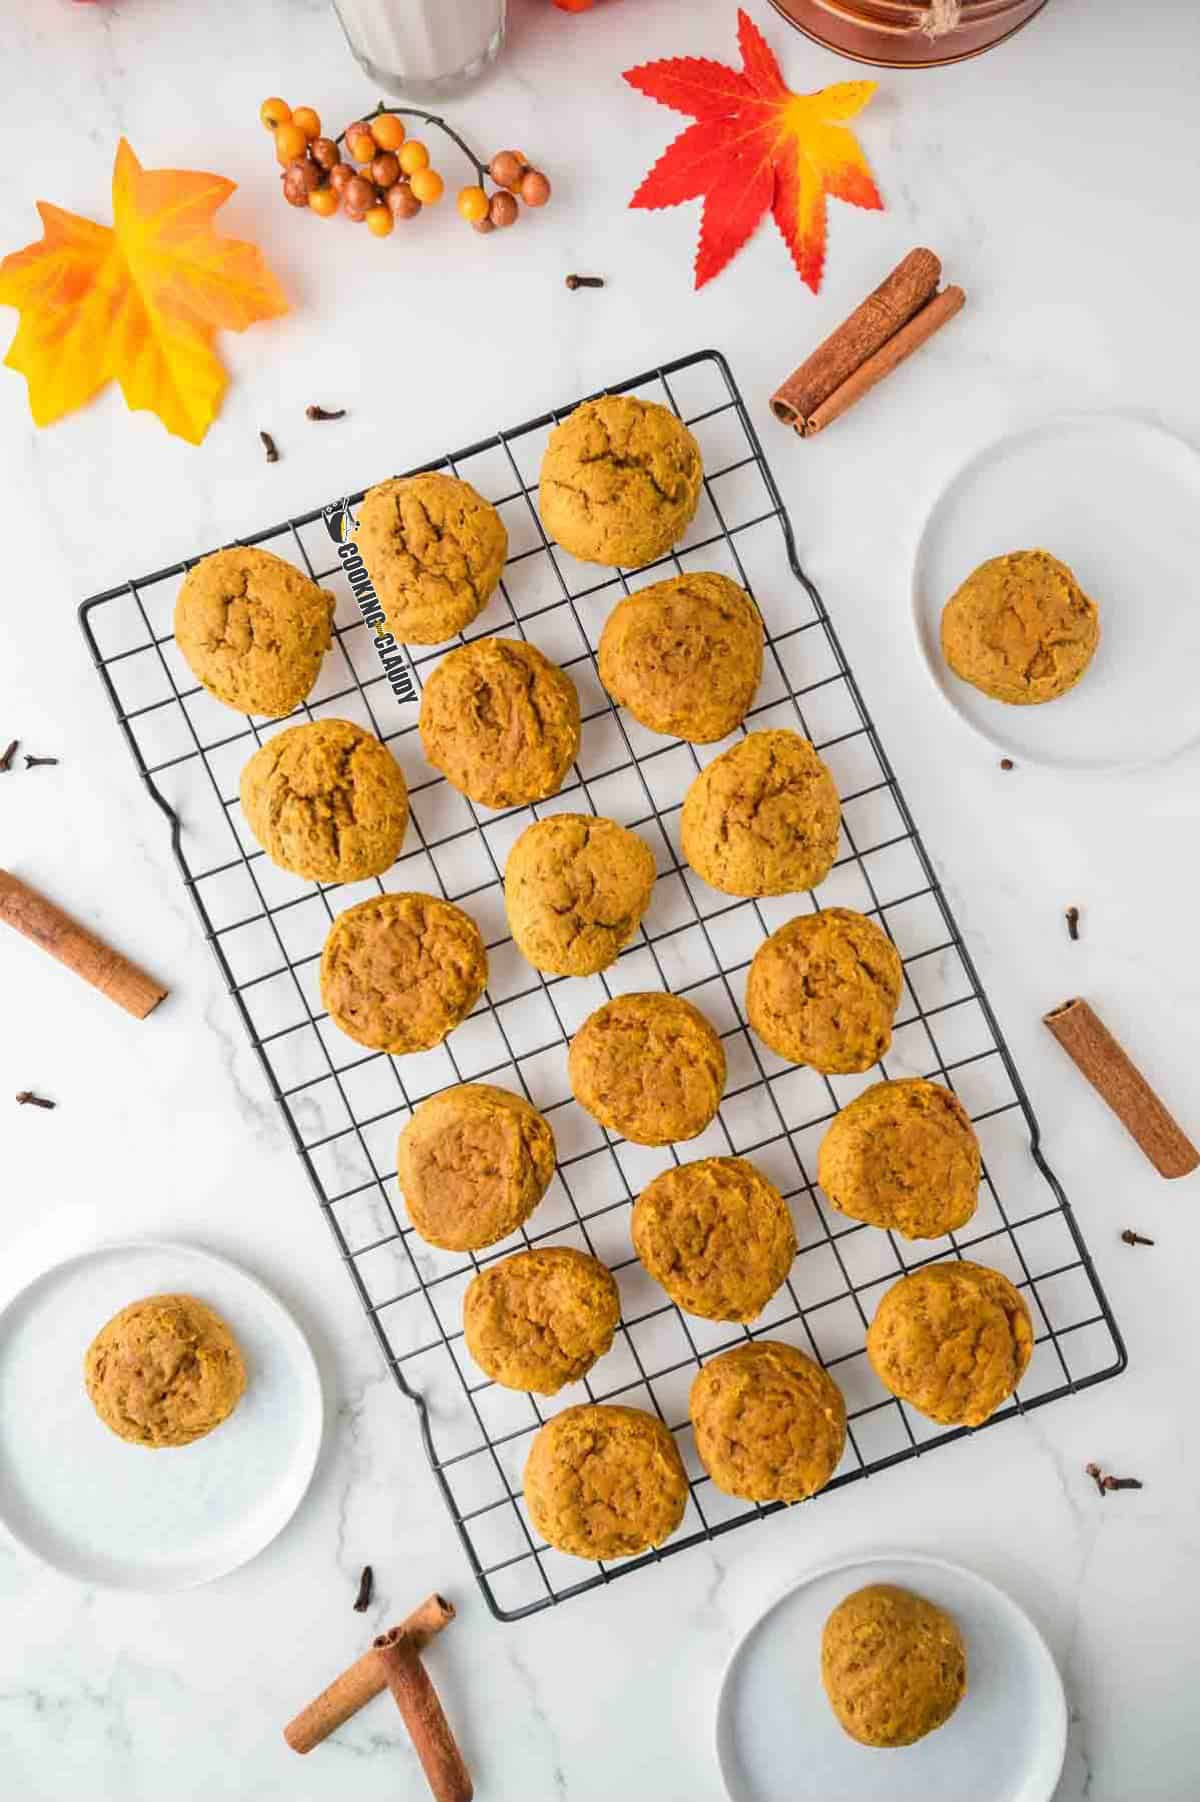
(515,181)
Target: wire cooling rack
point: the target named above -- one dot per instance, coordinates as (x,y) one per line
(345,1107)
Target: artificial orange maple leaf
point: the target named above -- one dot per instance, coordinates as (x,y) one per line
(755,145)
(137,302)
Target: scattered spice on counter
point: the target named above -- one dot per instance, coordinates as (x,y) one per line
(1072,919)
(37,918)
(366,1584)
(1132,1238)
(1105,1483)
(1006,763)
(363,1680)
(1117,1080)
(35,763)
(585,281)
(315,412)
(268,444)
(27,1098)
(6,760)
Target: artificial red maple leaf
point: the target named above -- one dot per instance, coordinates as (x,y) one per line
(755,145)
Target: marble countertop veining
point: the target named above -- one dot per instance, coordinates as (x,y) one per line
(1056,177)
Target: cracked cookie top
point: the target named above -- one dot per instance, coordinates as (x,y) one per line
(326,800)
(398,972)
(605,1482)
(1020,628)
(164,1371)
(762,818)
(648,1066)
(894,1666)
(434,549)
(253,629)
(575,889)
(684,655)
(473,1163)
(540,1318)
(717,1235)
(770,1424)
(903,1156)
(619,481)
(823,991)
(953,1339)
(500,721)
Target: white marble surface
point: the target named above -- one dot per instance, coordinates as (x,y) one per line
(1057,179)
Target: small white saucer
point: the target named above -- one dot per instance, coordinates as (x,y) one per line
(125,1516)
(779,1741)
(1118,500)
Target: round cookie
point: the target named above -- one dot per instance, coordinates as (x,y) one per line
(649,1067)
(253,629)
(326,800)
(770,1424)
(823,990)
(684,656)
(398,972)
(604,1482)
(894,1666)
(763,817)
(1020,628)
(953,1339)
(434,550)
(619,481)
(575,889)
(903,1156)
(501,722)
(164,1371)
(473,1163)
(717,1235)
(541,1318)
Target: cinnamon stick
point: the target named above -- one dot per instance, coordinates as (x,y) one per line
(80,950)
(1118,1081)
(417,1700)
(360,1682)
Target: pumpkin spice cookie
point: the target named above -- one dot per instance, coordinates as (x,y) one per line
(501,722)
(541,1318)
(684,656)
(253,629)
(717,1235)
(894,1666)
(823,990)
(770,1424)
(605,1482)
(649,1067)
(434,549)
(903,1156)
(619,481)
(1020,628)
(164,1371)
(473,1163)
(326,800)
(575,890)
(763,817)
(953,1339)
(398,972)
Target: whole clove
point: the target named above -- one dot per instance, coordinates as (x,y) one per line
(1072,919)
(27,1098)
(366,1584)
(1105,1483)
(1006,763)
(6,760)
(315,412)
(1132,1238)
(585,281)
(33,763)
(268,444)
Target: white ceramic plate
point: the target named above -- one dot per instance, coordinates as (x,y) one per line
(123,1515)
(779,1741)
(1119,500)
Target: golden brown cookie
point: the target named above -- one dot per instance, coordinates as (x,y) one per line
(684,655)
(823,990)
(541,1318)
(1020,628)
(763,817)
(326,800)
(648,1066)
(473,1164)
(953,1339)
(164,1371)
(398,972)
(434,549)
(904,1156)
(717,1235)
(894,1666)
(575,889)
(604,1482)
(770,1424)
(501,722)
(620,481)
(253,629)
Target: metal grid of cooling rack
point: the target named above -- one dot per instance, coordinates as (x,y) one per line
(345,1108)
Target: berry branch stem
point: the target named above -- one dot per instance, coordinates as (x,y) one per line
(413,112)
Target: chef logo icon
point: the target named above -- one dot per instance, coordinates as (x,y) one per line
(340,523)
